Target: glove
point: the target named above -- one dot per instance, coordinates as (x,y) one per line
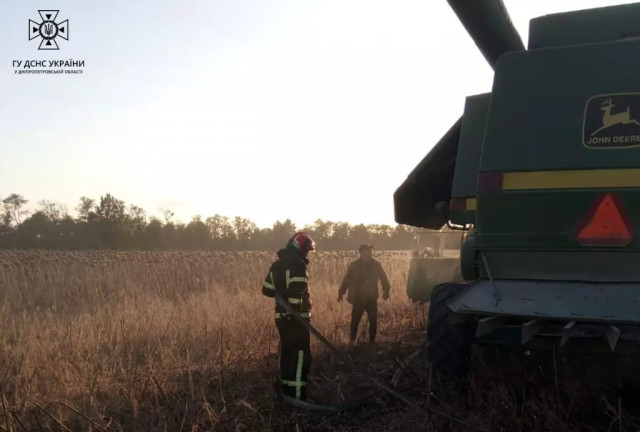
(385,296)
(340,297)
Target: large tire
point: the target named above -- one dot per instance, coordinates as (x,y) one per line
(448,344)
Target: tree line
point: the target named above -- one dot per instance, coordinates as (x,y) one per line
(108,223)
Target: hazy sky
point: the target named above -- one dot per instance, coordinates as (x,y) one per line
(266,109)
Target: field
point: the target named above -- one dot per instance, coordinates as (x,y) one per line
(177,341)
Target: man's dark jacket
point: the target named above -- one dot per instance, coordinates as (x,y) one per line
(361,281)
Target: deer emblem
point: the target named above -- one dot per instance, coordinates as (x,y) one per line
(609,119)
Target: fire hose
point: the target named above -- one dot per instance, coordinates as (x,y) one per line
(349,361)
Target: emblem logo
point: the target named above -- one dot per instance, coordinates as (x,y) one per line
(612,121)
(48,30)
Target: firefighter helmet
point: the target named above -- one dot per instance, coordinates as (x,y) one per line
(303,242)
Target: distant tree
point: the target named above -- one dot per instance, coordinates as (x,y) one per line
(37,231)
(167,215)
(13,208)
(220,227)
(340,236)
(111,218)
(68,234)
(153,234)
(284,229)
(112,224)
(136,218)
(86,233)
(137,215)
(85,208)
(322,230)
(173,236)
(197,232)
(5,217)
(279,233)
(275,237)
(244,230)
(54,210)
(135,222)
(404,237)
(381,235)
(8,234)
(111,209)
(221,232)
(358,235)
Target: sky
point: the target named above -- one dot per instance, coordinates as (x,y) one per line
(265,109)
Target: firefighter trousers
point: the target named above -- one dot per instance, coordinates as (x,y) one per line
(295,357)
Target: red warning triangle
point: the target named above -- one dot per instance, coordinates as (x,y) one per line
(605,224)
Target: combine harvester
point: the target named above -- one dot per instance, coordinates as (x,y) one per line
(544,175)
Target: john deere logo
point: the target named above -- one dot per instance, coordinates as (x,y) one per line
(48,30)
(612,121)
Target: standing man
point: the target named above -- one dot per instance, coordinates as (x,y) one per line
(287,279)
(361,281)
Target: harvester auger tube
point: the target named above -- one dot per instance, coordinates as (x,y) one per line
(428,187)
(489,25)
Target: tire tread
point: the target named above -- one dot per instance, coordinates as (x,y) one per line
(448,345)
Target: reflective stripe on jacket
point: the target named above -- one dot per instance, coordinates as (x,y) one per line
(289,278)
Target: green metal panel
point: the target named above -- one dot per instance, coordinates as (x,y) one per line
(568,265)
(548,113)
(583,27)
(538,107)
(415,201)
(470,145)
(463,217)
(468,158)
(585,302)
(543,219)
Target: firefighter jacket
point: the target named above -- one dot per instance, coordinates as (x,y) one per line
(361,281)
(288,278)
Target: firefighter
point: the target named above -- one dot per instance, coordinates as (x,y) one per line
(287,278)
(361,281)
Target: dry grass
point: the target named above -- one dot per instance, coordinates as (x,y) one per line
(175,341)
(142,339)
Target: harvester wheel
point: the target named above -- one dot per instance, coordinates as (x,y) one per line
(448,344)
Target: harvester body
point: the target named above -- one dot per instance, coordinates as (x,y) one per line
(544,174)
